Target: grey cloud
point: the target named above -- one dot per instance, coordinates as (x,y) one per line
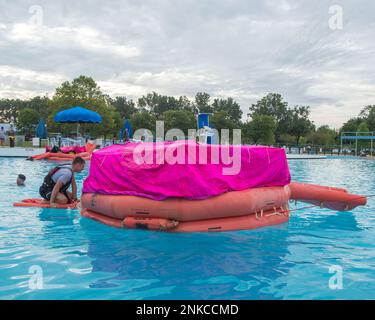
(230,47)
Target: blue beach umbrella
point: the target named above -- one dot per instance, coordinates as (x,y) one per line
(41,130)
(77,115)
(127,126)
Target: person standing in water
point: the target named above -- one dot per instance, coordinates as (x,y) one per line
(21,180)
(2,136)
(11,136)
(57,182)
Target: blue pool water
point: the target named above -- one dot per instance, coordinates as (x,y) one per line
(81,259)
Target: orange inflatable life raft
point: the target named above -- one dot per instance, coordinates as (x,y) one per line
(40,203)
(230,204)
(236,210)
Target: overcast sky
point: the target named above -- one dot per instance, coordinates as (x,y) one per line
(238,48)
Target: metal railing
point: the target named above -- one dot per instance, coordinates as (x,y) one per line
(330,150)
(358,136)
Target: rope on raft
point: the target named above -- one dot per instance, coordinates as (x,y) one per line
(288,211)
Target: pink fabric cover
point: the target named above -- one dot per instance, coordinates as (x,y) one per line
(114,171)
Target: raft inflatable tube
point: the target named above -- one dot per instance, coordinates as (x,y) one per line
(69,159)
(61,156)
(230,204)
(235,210)
(40,203)
(326,197)
(248,222)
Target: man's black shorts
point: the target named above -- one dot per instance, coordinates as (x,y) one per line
(45,194)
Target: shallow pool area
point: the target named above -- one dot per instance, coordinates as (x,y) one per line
(77,258)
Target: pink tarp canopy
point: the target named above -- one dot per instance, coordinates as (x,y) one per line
(184,169)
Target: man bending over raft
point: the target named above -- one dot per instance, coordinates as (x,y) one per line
(57,182)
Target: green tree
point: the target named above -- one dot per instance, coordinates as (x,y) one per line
(83,91)
(323,136)
(124,107)
(230,106)
(143,120)
(179,119)
(81,88)
(185,104)
(260,130)
(27,120)
(202,103)
(39,104)
(368,113)
(10,108)
(299,124)
(222,120)
(158,104)
(287,139)
(363,130)
(351,125)
(273,105)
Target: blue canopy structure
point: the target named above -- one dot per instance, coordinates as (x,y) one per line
(127,127)
(41,130)
(77,115)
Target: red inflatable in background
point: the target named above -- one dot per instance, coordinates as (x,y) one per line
(41,203)
(86,153)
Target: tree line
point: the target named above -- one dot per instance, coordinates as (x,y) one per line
(269,121)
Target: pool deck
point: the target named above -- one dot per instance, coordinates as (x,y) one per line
(20,152)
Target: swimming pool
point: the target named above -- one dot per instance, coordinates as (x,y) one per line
(76,258)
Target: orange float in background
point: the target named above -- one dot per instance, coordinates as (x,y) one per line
(40,203)
(61,156)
